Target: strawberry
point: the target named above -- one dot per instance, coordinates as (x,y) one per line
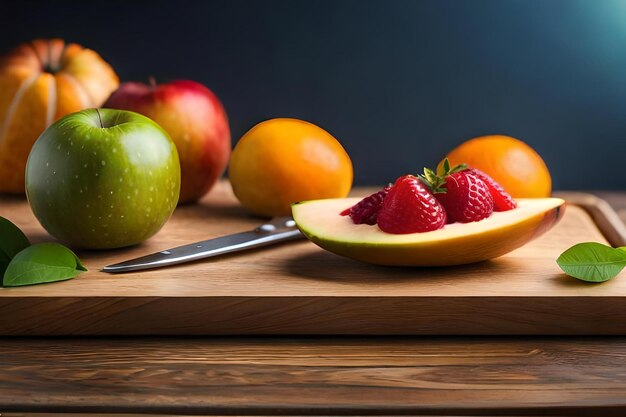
(502,201)
(464,195)
(410,208)
(366,210)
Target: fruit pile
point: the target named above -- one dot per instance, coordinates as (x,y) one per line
(46,79)
(417,204)
(123,173)
(127,166)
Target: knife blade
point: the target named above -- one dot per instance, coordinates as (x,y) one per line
(278,230)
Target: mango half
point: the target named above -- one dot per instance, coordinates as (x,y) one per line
(455,244)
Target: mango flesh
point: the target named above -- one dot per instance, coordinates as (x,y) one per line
(455,244)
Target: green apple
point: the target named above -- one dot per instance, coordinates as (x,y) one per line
(102,178)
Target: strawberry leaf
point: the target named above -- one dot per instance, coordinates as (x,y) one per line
(459,168)
(433,181)
(437,181)
(446,165)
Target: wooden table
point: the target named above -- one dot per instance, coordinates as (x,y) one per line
(316,376)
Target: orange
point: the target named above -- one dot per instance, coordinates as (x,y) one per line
(282,161)
(511,162)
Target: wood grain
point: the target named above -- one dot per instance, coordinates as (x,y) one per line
(471,376)
(297,288)
(605,217)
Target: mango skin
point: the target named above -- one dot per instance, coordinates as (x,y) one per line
(458,250)
(103,188)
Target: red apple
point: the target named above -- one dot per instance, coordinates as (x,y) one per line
(195,119)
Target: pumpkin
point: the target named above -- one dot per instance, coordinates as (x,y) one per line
(41,81)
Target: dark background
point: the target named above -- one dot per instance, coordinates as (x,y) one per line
(399,83)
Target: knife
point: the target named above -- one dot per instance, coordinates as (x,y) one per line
(279,229)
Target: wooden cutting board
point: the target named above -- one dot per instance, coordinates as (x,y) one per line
(298,288)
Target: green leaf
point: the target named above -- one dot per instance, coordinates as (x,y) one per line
(44,262)
(12,241)
(436,181)
(431,180)
(430,175)
(446,165)
(459,168)
(592,262)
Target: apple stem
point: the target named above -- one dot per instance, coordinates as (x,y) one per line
(152,82)
(100,118)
